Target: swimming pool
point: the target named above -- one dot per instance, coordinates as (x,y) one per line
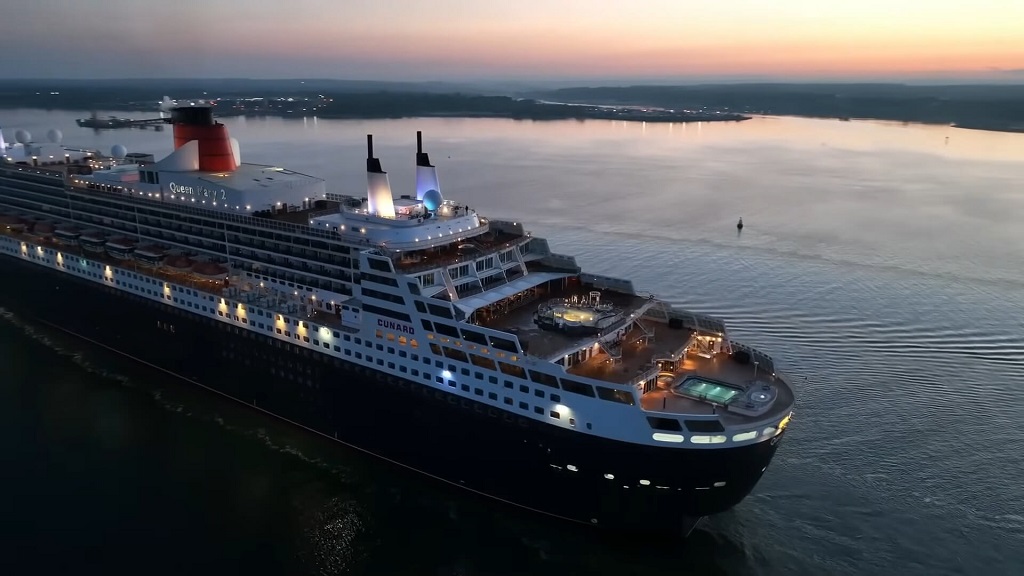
(701,389)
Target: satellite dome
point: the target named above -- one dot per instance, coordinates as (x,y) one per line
(22,137)
(432,199)
(119,151)
(54,135)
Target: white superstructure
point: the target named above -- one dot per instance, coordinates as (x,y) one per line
(419,287)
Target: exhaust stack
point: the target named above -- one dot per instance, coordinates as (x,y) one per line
(218,152)
(379,200)
(426,177)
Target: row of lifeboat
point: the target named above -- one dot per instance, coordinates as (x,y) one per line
(118,247)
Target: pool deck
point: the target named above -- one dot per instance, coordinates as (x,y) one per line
(722,368)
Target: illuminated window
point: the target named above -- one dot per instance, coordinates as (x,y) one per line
(391,337)
(745,436)
(403,340)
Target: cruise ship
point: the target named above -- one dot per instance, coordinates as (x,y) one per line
(410,327)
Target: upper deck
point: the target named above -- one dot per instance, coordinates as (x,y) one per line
(644,343)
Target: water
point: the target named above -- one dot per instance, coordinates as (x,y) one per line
(882,262)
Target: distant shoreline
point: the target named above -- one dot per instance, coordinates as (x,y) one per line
(992,108)
(664,119)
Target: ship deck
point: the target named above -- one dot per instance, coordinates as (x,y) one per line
(518,319)
(293,308)
(487,243)
(720,367)
(640,348)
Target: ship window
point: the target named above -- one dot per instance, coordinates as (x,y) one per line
(667,424)
(439,379)
(524,406)
(446,329)
(392,365)
(555,415)
(507,400)
(482,361)
(613,395)
(492,379)
(556,398)
(508,384)
(577,387)
(572,422)
(465,371)
(544,378)
(704,426)
(420,307)
(538,410)
(512,369)
(415,372)
(524,389)
(427,325)
(474,337)
(414,344)
(414,289)
(443,312)
(745,436)
(716,439)
(478,391)
(503,344)
(455,354)
(379,264)
(538,393)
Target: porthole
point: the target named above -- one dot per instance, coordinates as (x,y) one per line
(610,476)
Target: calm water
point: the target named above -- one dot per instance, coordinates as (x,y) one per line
(883,263)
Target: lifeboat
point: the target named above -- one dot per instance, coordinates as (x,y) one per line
(210,271)
(67,235)
(11,223)
(150,254)
(179,263)
(93,240)
(120,248)
(43,229)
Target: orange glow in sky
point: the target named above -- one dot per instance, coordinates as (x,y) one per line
(606,38)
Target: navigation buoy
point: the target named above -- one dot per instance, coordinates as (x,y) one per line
(739,225)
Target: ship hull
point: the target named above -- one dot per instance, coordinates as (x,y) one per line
(560,472)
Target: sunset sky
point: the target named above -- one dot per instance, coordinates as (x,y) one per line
(524,39)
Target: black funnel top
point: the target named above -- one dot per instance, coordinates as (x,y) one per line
(421,157)
(372,164)
(192,115)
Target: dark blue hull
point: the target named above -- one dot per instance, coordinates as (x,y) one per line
(464,443)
